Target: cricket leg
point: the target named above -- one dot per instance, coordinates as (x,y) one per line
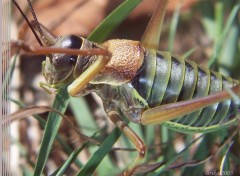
(171,111)
(136,140)
(152,34)
(81,82)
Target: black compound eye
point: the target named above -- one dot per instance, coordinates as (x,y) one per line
(76,42)
(70,41)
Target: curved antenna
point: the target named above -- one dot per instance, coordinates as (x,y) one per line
(37,24)
(28,22)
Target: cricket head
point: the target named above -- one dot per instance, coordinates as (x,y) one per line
(61,69)
(58,68)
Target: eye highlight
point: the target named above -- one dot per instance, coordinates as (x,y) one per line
(69,41)
(73,60)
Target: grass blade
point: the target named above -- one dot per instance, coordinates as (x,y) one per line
(71,159)
(110,23)
(173,27)
(53,123)
(97,157)
(83,115)
(220,42)
(88,125)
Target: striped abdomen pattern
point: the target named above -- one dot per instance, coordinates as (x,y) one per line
(164,79)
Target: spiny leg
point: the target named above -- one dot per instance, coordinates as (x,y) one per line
(152,34)
(136,140)
(171,111)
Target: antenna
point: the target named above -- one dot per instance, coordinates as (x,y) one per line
(28,22)
(37,23)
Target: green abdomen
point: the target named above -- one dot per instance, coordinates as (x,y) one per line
(165,79)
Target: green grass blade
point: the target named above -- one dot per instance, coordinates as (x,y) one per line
(26,171)
(168,150)
(53,123)
(83,115)
(42,122)
(10,71)
(110,23)
(71,159)
(219,15)
(6,80)
(227,59)
(165,166)
(173,27)
(219,44)
(88,125)
(207,19)
(188,53)
(201,153)
(225,163)
(97,157)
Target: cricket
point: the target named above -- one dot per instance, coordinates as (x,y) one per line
(139,84)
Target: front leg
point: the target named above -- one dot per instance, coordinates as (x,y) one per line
(82,81)
(136,140)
